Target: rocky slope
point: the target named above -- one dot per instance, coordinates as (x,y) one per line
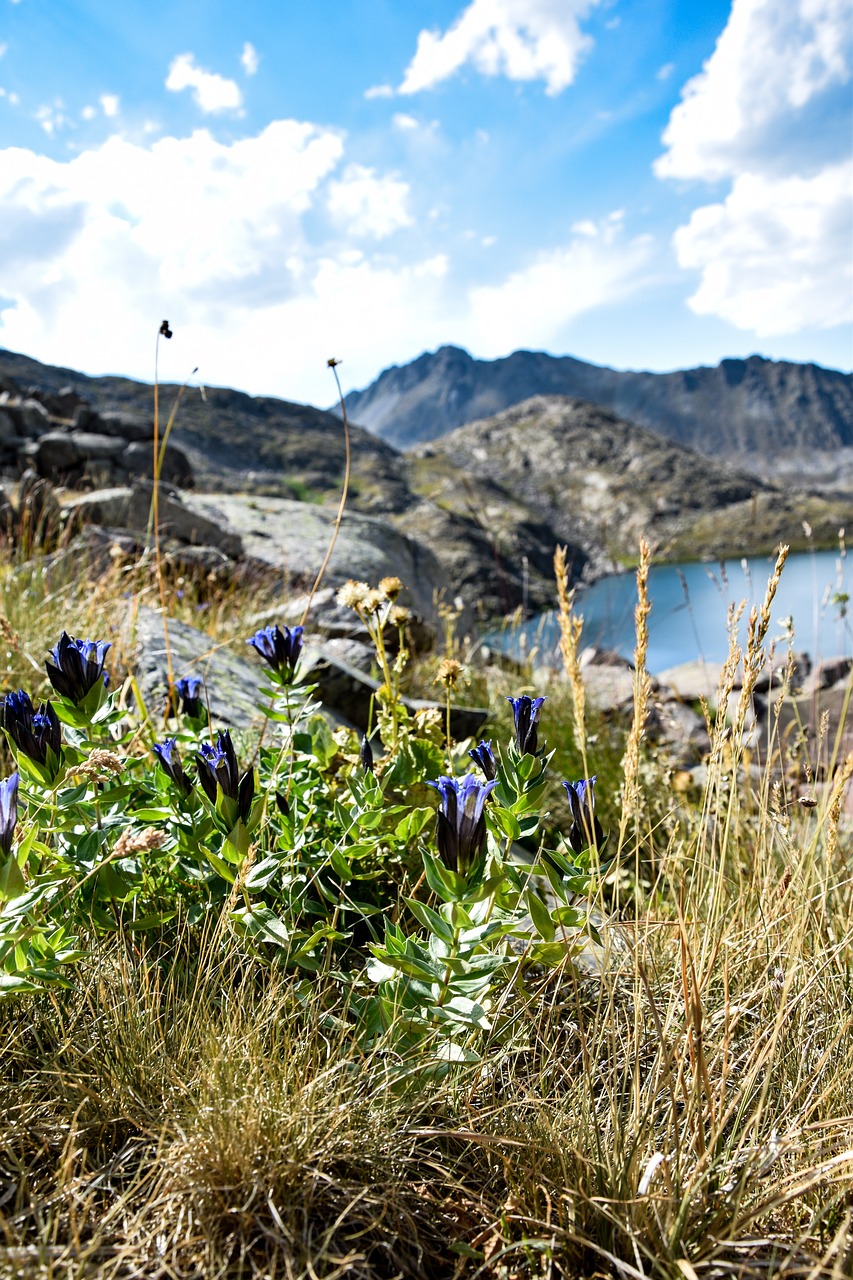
(577,474)
(253,443)
(740,408)
(474,515)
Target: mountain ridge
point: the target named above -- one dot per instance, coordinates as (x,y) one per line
(738,407)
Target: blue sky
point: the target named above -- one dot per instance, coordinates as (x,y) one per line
(639,183)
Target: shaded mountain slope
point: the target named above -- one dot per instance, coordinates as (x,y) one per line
(740,407)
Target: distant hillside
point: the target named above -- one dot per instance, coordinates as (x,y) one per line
(741,407)
(236,441)
(598,483)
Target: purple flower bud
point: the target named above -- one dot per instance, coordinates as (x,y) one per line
(483,755)
(461,822)
(77,667)
(365,755)
(170,760)
(279,649)
(217,768)
(585,830)
(526,713)
(8,812)
(34,733)
(188,690)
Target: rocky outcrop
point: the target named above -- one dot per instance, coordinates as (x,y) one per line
(64,440)
(599,484)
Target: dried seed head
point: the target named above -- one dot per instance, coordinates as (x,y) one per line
(352,594)
(391,587)
(399,616)
(100,766)
(449,673)
(373,601)
(138,841)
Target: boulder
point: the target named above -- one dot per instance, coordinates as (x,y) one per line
(232,677)
(138,461)
(8,428)
(828,673)
(130,508)
(30,417)
(691,681)
(292,538)
(62,404)
(128,426)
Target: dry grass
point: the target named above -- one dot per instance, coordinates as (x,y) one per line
(685,1112)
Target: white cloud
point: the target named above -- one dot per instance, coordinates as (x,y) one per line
(664,72)
(368,205)
(109,104)
(775,256)
(3,48)
(379,91)
(212,92)
(97,248)
(88,113)
(536,304)
(520,39)
(51,116)
(773,59)
(770,114)
(404,122)
(249,59)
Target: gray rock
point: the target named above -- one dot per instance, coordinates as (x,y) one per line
(32,417)
(231,679)
(293,537)
(828,673)
(691,681)
(138,460)
(681,732)
(130,508)
(128,426)
(8,428)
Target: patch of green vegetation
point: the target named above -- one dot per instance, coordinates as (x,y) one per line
(293,1024)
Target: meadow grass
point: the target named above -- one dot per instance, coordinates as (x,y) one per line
(679,1103)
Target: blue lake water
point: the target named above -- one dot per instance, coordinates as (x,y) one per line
(690,607)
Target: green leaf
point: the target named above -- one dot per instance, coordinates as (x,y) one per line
(430,919)
(540,915)
(505,821)
(263,924)
(227,873)
(445,883)
(143,923)
(410,827)
(12,883)
(262,873)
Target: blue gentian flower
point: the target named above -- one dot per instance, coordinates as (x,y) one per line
(170,760)
(188,689)
(36,734)
(585,830)
(218,774)
(8,812)
(483,755)
(279,649)
(526,713)
(461,822)
(77,667)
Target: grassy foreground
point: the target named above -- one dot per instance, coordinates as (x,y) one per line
(675,1102)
